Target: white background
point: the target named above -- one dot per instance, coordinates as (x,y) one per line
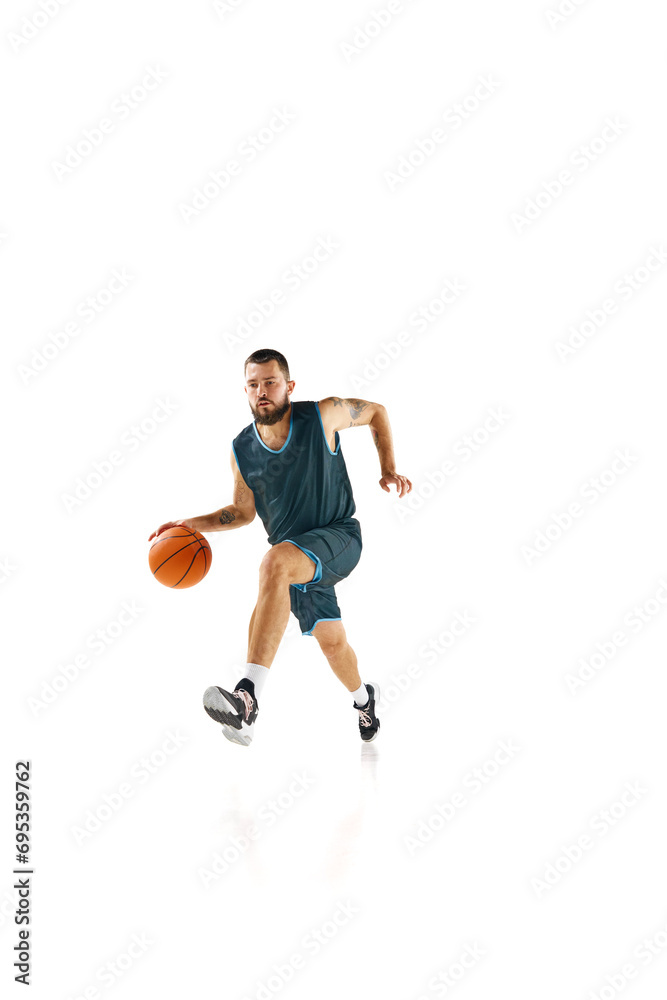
(494,878)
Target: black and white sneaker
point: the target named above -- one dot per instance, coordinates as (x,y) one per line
(368,721)
(236,711)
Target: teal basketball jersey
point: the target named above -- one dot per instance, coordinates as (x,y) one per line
(302,486)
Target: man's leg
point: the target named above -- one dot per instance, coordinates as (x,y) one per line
(342,658)
(343,661)
(282,565)
(236,711)
(251,625)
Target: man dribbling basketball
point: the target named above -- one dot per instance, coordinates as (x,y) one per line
(288,467)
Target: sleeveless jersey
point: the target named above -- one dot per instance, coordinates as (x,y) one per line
(302,486)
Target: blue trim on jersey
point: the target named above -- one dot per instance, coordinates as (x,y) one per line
(336,434)
(272,450)
(237,458)
(316,560)
(317,623)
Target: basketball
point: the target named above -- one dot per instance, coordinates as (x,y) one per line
(179,557)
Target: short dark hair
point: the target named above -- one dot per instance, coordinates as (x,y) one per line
(266,354)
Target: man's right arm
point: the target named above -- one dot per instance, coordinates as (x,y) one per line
(238,513)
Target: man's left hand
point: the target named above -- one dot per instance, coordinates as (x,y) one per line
(402,483)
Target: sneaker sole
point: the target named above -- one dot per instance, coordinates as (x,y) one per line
(217,707)
(234,736)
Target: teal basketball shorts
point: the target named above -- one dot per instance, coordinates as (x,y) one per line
(335,550)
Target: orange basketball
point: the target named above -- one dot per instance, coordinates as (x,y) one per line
(179,557)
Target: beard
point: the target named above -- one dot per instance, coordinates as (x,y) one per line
(275,413)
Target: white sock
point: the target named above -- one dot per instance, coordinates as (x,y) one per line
(361,696)
(256,673)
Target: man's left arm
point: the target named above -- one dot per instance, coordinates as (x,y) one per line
(338,413)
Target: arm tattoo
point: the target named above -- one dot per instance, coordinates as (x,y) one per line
(355,406)
(239,493)
(376,437)
(226,517)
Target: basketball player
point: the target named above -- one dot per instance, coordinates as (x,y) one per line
(288,466)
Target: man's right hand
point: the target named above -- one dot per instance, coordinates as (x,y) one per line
(170,524)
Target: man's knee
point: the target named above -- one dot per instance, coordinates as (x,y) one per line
(275,562)
(332,640)
(286,561)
